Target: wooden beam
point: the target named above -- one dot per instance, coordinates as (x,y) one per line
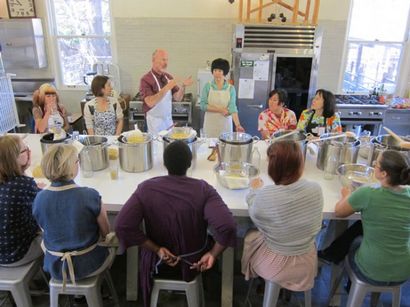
(315,12)
(307,11)
(240,10)
(248,10)
(287,6)
(260,11)
(295,11)
(263,6)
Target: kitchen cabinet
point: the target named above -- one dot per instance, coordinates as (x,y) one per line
(398,121)
(22,44)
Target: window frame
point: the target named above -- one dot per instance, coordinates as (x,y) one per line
(402,72)
(54,37)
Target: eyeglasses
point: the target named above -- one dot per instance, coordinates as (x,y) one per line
(27,149)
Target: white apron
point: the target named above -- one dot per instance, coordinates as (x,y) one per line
(160,116)
(216,123)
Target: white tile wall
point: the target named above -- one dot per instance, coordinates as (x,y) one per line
(190,44)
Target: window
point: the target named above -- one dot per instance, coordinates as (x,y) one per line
(376,39)
(82,32)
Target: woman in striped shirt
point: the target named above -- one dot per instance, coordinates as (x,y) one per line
(288,215)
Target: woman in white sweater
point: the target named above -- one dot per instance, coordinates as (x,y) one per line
(288,216)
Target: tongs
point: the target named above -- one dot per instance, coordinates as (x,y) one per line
(274,139)
(347,133)
(402,143)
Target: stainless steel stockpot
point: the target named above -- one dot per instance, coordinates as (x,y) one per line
(96,148)
(193,144)
(236,146)
(47,140)
(343,150)
(384,142)
(136,157)
(299,137)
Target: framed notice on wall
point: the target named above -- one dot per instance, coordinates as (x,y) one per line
(21,8)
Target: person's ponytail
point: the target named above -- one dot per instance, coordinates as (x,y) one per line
(405,176)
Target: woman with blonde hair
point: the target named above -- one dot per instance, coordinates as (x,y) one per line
(73,219)
(19,234)
(48,113)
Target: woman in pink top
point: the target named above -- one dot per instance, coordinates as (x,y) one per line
(276,116)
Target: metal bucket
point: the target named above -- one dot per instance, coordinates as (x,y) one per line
(194,144)
(47,140)
(236,146)
(344,150)
(97,150)
(298,137)
(382,143)
(136,157)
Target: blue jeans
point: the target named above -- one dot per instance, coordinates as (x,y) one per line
(352,252)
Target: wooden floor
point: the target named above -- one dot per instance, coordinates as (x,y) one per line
(212,284)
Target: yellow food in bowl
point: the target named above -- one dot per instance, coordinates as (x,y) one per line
(38,172)
(112,153)
(135,138)
(180,135)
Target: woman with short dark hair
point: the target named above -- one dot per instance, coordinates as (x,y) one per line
(383,256)
(218,101)
(288,215)
(321,117)
(276,116)
(103,115)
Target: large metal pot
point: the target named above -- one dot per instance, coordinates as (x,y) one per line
(382,143)
(299,137)
(193,144)
(96,148)
(136,157)
(236,146)
(332,153)
(47,140)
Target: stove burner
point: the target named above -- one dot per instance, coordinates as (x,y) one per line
(357,100)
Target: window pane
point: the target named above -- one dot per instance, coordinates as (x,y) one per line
(82,17)
(77,56)
(379,20)
(371,65)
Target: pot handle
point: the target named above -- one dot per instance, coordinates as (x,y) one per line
(256,150)
(255,139)
(312,148)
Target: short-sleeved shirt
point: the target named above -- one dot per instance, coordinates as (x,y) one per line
(332,123)
(269,121)
(58,119)
(18,227)
(384,254)
(90,109)
(226,87)
(149,87)
(69,221)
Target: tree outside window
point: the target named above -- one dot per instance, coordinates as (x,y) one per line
(377,34)
(82,32)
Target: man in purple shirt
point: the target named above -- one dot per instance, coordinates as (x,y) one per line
(177,211)
(157,89)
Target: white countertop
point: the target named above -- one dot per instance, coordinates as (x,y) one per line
(116,192)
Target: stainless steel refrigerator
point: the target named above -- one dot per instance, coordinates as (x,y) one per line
(267,57)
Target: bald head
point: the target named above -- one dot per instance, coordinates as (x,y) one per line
(159,60)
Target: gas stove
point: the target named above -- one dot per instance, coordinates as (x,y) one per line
(361,111)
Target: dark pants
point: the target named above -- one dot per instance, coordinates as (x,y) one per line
(338,250)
